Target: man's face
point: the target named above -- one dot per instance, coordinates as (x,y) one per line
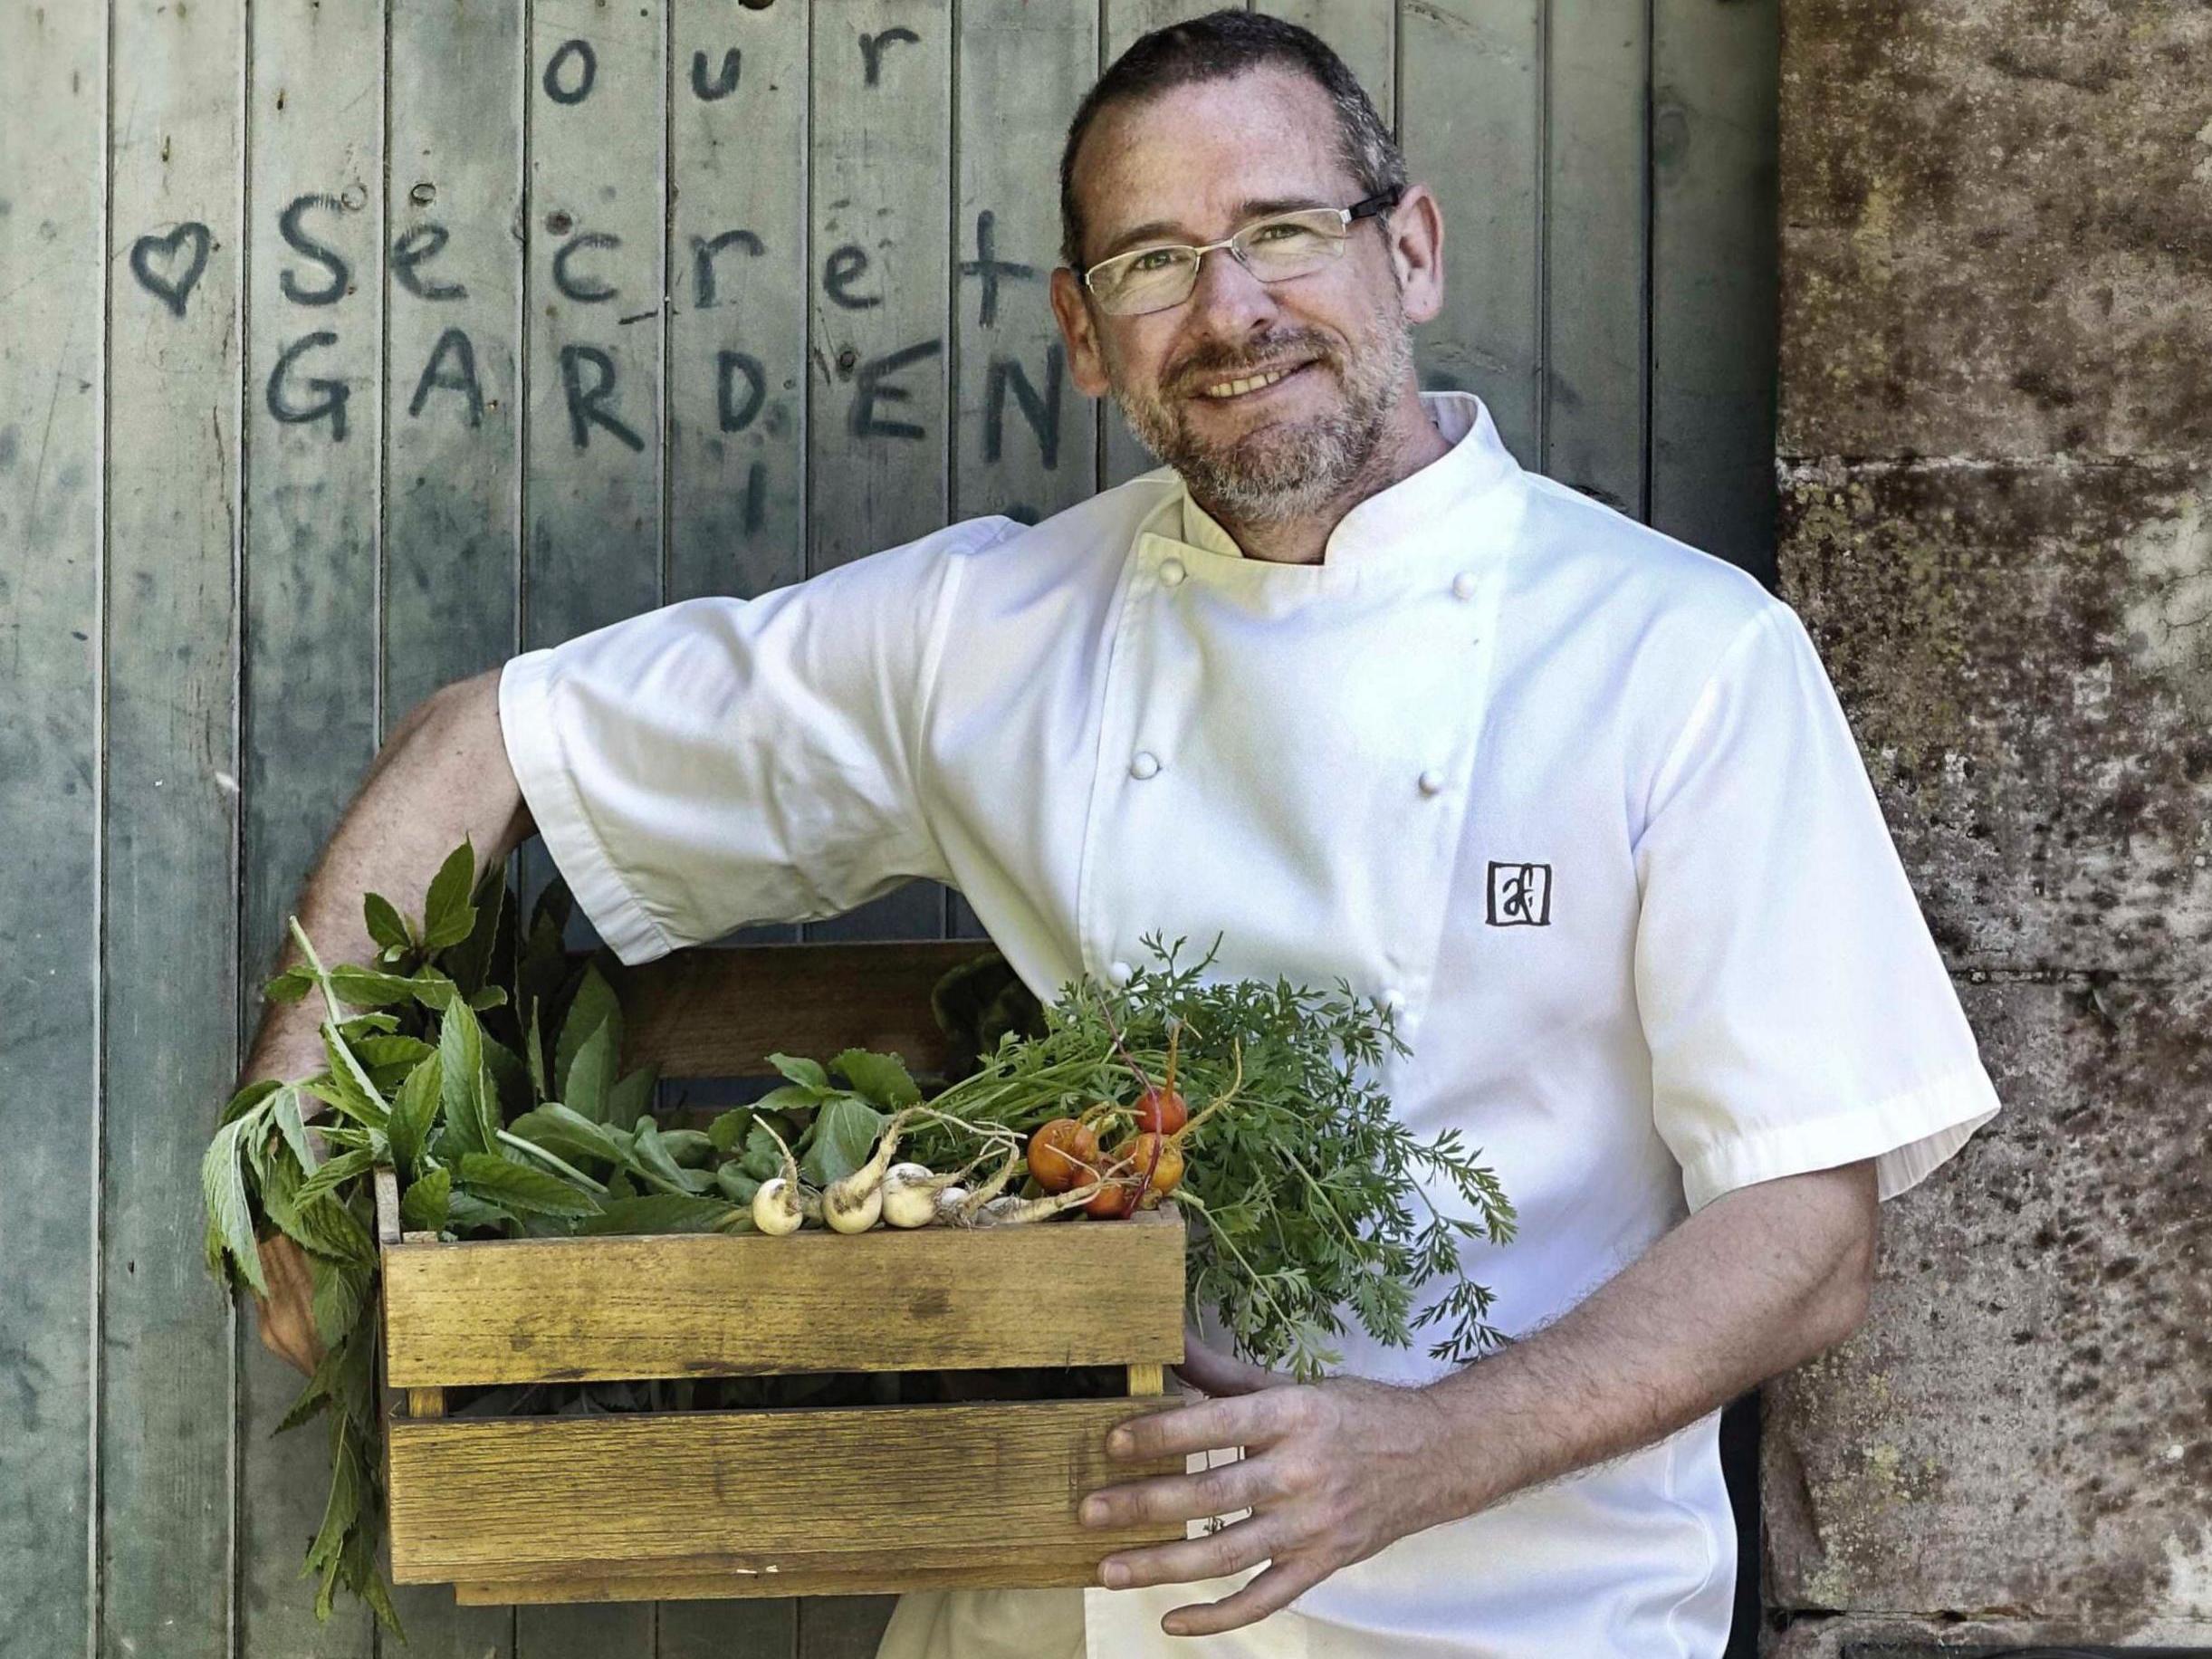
(1190,166)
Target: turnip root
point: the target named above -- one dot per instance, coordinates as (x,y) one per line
(1012,1211)
(782,1204)
(855,1203)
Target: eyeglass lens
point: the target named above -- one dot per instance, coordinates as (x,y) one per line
(1290,245)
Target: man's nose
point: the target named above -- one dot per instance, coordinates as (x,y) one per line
(1227,298)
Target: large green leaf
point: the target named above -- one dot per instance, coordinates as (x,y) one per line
(845,1132)
(230,1216)
(284,1112)
(466,1212)
(632,1095)
(668,1213)
(589,1074)
(657,1163)
(461,1066)
(571,1135)
(415,1109)
(524,1190)
(727,1132)
(763,1159)
(470,961)
(341,1290)
(349,1089)
(386,926)
(447,916)
(806,1073)
(594,1006)
(881,1078)
(346,1166)
(424,1207)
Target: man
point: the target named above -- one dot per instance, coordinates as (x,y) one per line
(1347,688)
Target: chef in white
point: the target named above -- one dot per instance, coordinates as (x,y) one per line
(1345,686)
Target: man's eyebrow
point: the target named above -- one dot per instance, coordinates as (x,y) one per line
(1251,208)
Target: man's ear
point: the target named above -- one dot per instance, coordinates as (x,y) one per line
(1416,249)
(1073,313)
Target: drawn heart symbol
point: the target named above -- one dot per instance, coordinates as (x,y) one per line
(163,285)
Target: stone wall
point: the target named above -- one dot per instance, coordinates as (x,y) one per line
(1996,464)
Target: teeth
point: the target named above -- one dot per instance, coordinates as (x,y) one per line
(1237,388)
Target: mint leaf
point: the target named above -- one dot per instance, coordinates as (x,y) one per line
(667,1212)
(593,1006)
(386,926)
(422,1209)
(460,1064)
(414,1111)
(591,1073)
(447,916)
(524,1190)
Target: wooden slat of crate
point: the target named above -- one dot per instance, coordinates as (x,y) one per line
(611,1585)
(868,1495)
(720,1013)
(1060,1293)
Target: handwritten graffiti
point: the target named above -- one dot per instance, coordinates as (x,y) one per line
(164,281)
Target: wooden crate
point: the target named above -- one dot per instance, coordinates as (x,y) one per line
(819,1500)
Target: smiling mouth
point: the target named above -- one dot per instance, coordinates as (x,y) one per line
(1226,391)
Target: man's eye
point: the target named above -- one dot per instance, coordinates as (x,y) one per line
(1153,259)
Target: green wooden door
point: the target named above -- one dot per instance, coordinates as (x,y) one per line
(349,350)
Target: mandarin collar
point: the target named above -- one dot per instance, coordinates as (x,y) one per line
(1475,465)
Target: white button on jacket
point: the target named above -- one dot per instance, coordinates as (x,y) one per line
(1647,935)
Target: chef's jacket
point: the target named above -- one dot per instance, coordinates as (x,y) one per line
(1574,800)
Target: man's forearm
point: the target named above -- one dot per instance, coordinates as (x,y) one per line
(1757,1281)
(441,775)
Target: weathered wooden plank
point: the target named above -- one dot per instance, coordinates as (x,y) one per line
(451,404)
(1470,107)
(1120,456)
(1593,250)
(532,1497)
(312,467)
(720,1014)
(941,1298)
(728,1595)
(591,503)
(1026,438)
(1363,33)
(876,427)
(738,283)
(53,77)
(595,235)
(1714,78)
(1027,443)
(169,957)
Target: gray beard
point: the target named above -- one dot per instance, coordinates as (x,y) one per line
(1281,473)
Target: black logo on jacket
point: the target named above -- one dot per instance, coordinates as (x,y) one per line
(1520,894)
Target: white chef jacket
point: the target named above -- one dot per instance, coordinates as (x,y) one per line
(1576,799)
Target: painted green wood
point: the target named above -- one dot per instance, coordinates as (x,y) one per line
(595,241)
(1026,438)
(1363,33)
(52,155)
(453,449)
(1716,87)
(313,468)
(1594,388)
(877,420)
(452,287)
(1027,441)
(1470,104)
(1120,456)
(169,955)
(738,284)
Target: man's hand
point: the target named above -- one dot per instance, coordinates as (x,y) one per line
(287,1313)
(1332,1472)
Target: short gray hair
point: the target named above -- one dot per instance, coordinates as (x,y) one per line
(1216,47)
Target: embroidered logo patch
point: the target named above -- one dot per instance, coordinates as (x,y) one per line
(1520,894)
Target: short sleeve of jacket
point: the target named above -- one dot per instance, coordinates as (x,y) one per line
(1798,1013)
(725,761)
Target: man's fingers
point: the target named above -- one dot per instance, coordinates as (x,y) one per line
(1238,1420)
(1231,1549)
(1222,1491)
(1210,1371)
(1271,1592)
